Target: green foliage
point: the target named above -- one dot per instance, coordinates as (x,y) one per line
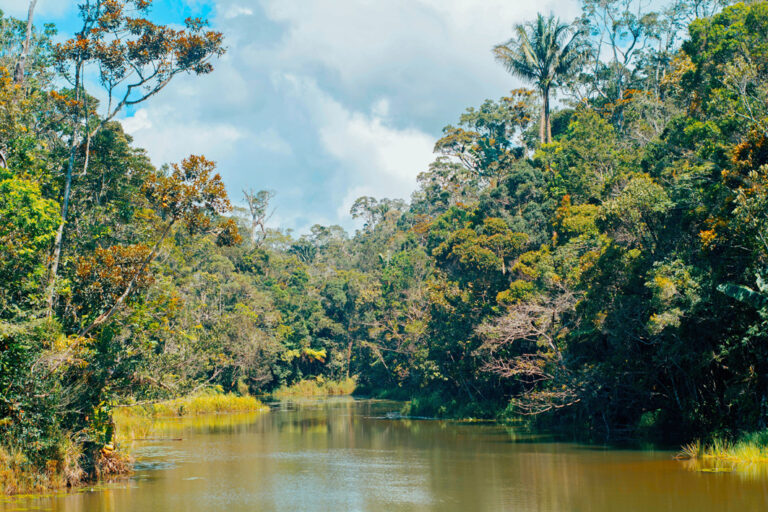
(544,52)
(28,226)
(741,293)
(587,160)
(604,279)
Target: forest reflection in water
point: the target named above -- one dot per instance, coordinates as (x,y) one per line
(346,454)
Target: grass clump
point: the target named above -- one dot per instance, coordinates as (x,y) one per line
(751,447)
(317,387)
(210,402)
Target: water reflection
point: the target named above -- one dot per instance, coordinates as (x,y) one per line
(742,469)
(350,455)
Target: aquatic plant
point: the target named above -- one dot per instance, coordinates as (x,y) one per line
(690,450)
(144,421)
(750,447)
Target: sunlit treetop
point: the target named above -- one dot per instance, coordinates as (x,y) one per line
(135,57)
(192,193)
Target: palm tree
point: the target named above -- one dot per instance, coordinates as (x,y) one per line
(543,52)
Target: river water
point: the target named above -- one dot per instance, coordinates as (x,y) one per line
(350,455)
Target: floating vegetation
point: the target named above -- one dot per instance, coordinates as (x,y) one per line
(717,470)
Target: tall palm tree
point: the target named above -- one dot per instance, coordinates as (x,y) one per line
(543,52)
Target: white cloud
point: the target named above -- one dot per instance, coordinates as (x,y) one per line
(270,140)
(366,41)
(139,121)
(236,11)
(20,8)
(362,89)
(380,108)
(168,137)
(378,159)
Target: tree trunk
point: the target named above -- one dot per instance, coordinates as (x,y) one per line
(19,74)
(56,257)
(543,118)
(349,356)
(547,122)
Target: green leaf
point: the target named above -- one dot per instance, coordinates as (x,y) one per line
(743,294)
(761,284)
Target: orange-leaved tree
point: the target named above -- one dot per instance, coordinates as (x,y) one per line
(133,59)
(191,195)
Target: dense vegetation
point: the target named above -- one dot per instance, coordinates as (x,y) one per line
(602,265)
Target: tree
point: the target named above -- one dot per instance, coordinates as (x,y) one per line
(258,207)
(487,141)
(135,60)
(544,52)
(523,345)
(373,210)
(20,65)
(27,228)
(191,194)
(587,162)
(634,218)
(620,32)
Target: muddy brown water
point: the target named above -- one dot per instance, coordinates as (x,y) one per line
(355,455)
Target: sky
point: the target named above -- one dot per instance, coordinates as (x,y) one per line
(323,101)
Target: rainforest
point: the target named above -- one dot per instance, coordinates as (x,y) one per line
(588,253)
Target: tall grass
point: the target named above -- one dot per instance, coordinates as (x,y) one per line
(144,421)
(317,387)
(204,403)
(752,447)
(19,476)
(15,474)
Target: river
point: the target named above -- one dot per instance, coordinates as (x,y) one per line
(356,455)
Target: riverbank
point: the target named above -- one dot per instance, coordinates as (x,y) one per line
(72,464)
(19,475)
(204,403)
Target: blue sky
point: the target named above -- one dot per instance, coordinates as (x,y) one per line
(323,101)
